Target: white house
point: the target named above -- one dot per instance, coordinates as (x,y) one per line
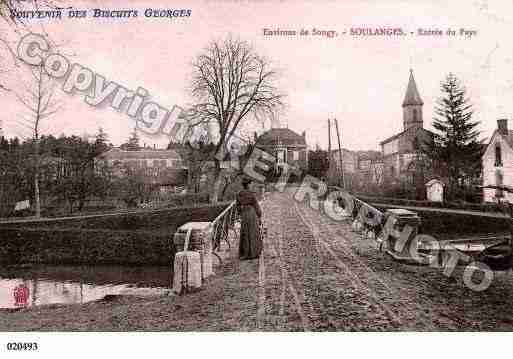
(497,162)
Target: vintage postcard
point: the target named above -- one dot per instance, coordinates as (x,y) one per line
(255,166)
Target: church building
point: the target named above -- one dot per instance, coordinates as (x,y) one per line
(400,149)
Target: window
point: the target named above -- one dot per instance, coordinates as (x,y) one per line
(499,193)
(498,155)
(415,115)
(281,156)
(295,155)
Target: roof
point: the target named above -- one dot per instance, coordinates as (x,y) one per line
(345,152)
(280,136)
(405,133)
(412,96)
(508,138)
(118,154)
(433,181)
(369,155)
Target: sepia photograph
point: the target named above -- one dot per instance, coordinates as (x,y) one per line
(291,174)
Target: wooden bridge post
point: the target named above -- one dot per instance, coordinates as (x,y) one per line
(400,239)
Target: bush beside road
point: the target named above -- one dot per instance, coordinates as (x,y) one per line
(138,238)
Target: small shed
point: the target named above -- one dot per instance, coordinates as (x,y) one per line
(435,190)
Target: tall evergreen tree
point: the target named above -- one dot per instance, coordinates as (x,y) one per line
(101,142)
(456,151)
(133,142)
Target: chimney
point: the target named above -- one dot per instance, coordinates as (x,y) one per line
(502,126)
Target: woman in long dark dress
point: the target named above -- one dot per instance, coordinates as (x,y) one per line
(250,245)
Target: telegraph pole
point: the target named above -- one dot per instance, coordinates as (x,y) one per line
(340,155)
(329,151)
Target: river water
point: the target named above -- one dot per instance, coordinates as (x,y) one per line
(40,285)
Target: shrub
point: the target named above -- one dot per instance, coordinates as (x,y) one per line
(142,237)
(443,225)
(462,205)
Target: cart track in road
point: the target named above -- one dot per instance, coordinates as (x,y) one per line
(273,249)
(355,280)
(395,300)
(300,272)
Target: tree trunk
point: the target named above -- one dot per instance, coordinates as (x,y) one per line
(217,182)
(81,204)
(190,178)
(225,187)
(36,180)
(36,195)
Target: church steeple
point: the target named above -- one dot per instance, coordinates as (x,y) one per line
(412,105)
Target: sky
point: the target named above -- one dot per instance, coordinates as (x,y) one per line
(359,80)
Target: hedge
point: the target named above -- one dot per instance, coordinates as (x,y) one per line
(442,225)
(74,247)
(142,238)
(482,207)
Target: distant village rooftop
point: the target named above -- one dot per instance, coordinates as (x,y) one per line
(281,136)
(145,153)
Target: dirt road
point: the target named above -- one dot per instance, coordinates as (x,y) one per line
(342,282)
(315,275)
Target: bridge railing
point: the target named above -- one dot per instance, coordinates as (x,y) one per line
(221,226)
(366,218)
(496,250)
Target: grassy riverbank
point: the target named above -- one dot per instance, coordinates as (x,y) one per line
(135,238)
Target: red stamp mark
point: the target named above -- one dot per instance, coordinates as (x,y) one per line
(21,295)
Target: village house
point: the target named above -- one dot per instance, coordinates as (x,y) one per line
(285,145)
(349,161)
(366,166)
(497,162)
(159,167)
(370,167)
(399,150)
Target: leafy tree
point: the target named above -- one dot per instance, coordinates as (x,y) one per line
(455,152)
(76,174)
(318,163)
(11,174)
(131,185)
(236,161)
(195,157)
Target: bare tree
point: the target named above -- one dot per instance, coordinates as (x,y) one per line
(7,7)
(231,83)
(11,25)
(38,99)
